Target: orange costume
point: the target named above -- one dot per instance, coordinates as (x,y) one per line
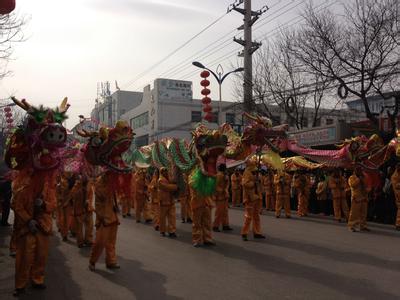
(337,185)
(155,203)
(252,202)
(302,186)
(125,196)
(268,186)
(107,222)
(395,179)
(167,205)
(64,206)
(82,195)
(282,183)
(184,199)
(201,209)
(359,203)
(221,202)
(140,194)
(34,202)
(236,188)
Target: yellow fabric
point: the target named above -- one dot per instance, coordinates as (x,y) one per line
(168,215)
(31,258)
(201,231)
(252,217)
(106,237)
(106,206)
(359,203)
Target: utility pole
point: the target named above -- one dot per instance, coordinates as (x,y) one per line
(250,46)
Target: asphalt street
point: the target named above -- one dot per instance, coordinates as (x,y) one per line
(308,258)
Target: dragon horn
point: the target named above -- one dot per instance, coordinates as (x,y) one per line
(23,104)
(64,105)
(251,117)
(85,133)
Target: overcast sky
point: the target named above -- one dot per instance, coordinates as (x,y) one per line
(74,44)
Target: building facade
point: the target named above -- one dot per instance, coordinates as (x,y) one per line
(110,107)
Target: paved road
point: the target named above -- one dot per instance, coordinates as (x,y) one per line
(310,258)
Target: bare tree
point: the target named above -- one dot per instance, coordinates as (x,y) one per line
(358,50)
(11,26)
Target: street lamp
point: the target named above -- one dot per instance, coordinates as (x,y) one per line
(220,77)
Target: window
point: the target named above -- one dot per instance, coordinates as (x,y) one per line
(318,122)
(230,118)
(140,120)
(196,116)
(329,121)
(142,140)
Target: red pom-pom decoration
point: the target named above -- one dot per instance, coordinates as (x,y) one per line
(204,74)
(207,108)
(205,82)
(205,92)
(206,100)
(9,120)
(208,117)
(7,6)
(8,115)
(7,109)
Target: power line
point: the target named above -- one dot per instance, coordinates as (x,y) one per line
(266,35)
(235,51)
(229,40)
(174,51)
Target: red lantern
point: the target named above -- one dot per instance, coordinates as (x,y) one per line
(205,92)
(7,109)
(207,108)
(208,117)
(204,74)
(9,120)
(205,82)
(8,115)
(7,6)
(206,100)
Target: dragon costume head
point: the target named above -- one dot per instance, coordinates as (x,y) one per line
(106,146)
(37,141)
(208,145)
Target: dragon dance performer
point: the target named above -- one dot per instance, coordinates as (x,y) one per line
(252,201)
(359,201)
(268,185)
(155,202)
(208,145)
(140,194)
(33,150)
(395,179)
(105,149)
(184,199)
(282,181)
(302,186)
(64,204)
(221,200)
(166,188)
(82,198)
(337,185)
(236,188)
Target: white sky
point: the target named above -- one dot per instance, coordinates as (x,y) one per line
(74,44)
